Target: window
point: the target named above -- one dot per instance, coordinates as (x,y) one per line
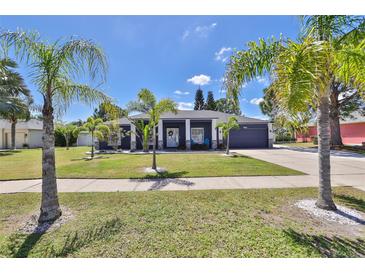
(197,135)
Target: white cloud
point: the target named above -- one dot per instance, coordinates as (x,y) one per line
(200,31)
(256,101)
(200,80)
(262,80)
(179,92)
(185,34)
(185,105)
(222,54)
(222,91)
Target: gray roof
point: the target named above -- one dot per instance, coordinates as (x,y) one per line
(197,115)
(31,124)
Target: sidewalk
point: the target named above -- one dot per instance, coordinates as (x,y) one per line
(111,185)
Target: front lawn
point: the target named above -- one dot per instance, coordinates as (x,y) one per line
(215,223)
(26,164)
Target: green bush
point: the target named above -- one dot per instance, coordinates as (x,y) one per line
(60,140)
(199,147)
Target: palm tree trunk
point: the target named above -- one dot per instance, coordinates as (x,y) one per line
(13,132)
(67,140)
(154,166)
(50,208)
(92,144)
(325,192)
(336,139)
(227,148)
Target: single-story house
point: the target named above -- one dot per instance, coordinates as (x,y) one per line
(352,131)
(27,134)
(187,128)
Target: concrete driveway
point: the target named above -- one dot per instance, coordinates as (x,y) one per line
(346,168)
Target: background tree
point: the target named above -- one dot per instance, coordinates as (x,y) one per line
(16,96)
(67,131)
(199,100)
(226,128)
(54,67)
(303,72)
(96,128)
(147,103)
(108,111)
(224,105)
(210,104)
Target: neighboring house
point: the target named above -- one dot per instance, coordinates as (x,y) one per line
(83,139)
(189,127)
(28,134)
(352,131)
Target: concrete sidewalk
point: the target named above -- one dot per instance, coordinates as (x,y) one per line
(111,185)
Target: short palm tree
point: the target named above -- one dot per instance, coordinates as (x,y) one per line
(54,68)
(146,103)
(95,128)
(226,128)
(67,131)
(302,73)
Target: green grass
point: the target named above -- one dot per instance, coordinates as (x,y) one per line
(26,164)
(215,223)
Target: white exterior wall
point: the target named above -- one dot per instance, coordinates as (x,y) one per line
(84,139)
(35,138)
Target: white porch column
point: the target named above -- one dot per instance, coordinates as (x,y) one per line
(160,135)
(133,137)
(187,134)
(214,134)
(270,135)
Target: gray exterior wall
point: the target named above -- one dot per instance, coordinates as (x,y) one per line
(207,125)
(180,124)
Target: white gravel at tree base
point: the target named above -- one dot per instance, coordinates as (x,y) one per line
(342,215)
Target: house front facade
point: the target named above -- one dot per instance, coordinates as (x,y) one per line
(189,129)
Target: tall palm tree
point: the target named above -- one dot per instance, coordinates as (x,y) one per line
(147,103)
(226,127)
(54,67)
(302,73)
(96,128)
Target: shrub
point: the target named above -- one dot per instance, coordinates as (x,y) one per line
(199,147)
(315,140)
(25,146)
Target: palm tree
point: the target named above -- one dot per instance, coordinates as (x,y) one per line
(67,131)
(226,127)
(146,103)
(96,128)
(302,73)
(13,88)
(15,98)
(54,66)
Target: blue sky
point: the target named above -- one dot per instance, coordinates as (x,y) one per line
(170,55)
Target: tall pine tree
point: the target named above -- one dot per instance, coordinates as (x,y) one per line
(199,100)
(210,105)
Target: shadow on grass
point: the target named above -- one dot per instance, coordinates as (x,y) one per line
(86,159)
(74,240)
(25,242)
(8,152)
(356,203)
(329,246)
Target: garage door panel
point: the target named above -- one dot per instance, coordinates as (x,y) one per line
(249,136)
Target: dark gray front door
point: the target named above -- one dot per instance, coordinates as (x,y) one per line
(249,136)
